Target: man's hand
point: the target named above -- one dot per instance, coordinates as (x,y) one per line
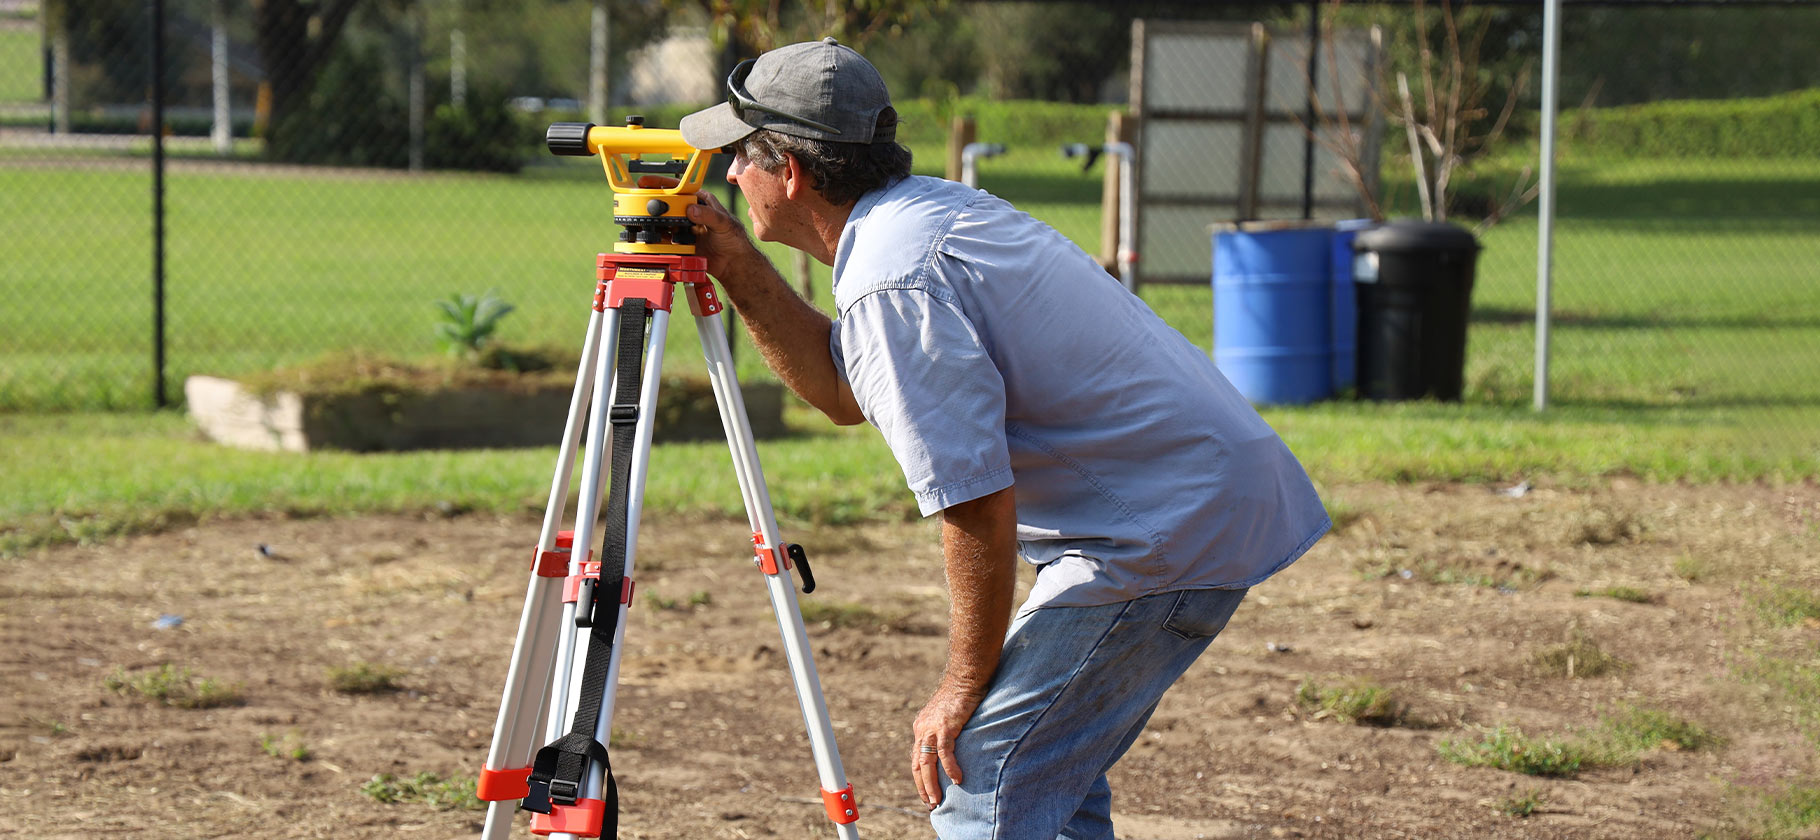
(979,539)
(936,726)
(721,239)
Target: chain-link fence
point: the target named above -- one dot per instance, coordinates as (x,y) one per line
(334,169)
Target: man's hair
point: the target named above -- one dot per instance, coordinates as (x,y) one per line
(841,172)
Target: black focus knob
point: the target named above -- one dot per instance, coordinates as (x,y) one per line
(634,119)
(568,138)
(656,207)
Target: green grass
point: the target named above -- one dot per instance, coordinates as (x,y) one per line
(1361,701)
(456,792)
(1507,748)
(170,685)
(21,63)
(364,678)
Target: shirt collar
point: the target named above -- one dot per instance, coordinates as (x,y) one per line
(861,208)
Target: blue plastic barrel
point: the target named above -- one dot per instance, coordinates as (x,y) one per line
(1272,313)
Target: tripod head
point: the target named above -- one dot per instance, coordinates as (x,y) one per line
(654,219)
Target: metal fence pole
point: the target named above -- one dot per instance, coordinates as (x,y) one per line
(1545,233)
(157,15)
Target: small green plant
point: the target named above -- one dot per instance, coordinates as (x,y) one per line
(1790,812)
(1692,569)
(1524,804)
(364,678)
(1358,701)
(173,686)
(700,598)
(1787,605)
(469,322)
(290,745)
(659,602)
(1507,748)
(1581,657)
(454,793)
(841,614)
(1636,729)
(1630,594)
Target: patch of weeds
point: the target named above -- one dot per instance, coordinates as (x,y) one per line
(622,738)
(1507,748)
(1791,812)
(698,598)
(834,614)
(454,793)
(1629,594)
(1357,701)
(1596,526)
(173,686)
(1636,729)
(364,678)
(1581,657)
(1524,804)
(290,745)
(1787,606)
(659,602)
(53,728)
(1692,569)
(1343,515)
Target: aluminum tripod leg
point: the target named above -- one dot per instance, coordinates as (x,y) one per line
(518,732)
(837,795)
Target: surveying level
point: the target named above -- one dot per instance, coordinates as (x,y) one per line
(655,220)
(549,748)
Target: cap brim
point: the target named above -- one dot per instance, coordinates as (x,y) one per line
(714,128)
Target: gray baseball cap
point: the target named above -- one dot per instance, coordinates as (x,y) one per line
(818,90)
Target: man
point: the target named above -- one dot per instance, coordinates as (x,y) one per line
(1034,403)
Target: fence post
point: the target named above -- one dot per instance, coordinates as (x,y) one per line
(960,134)
(157,15)
(1118,130)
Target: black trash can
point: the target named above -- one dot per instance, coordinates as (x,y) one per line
(1414,285)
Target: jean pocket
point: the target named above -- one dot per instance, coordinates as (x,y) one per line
(1202,613)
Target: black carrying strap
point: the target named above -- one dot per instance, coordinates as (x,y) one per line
(562,767)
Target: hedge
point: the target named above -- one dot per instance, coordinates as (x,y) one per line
(1771,127)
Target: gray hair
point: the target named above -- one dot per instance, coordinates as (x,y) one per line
(841,172)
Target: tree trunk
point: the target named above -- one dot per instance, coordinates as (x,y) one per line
(294,40)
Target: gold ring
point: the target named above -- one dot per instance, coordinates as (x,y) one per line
(927,749)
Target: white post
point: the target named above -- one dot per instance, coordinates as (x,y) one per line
(416,89)
(222,133)
(458,68)
(60,71)
(597,65)
(1545,231)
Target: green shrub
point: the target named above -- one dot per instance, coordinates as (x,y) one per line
(1783,126)
(364,678)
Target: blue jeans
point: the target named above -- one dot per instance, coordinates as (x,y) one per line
(1073,690)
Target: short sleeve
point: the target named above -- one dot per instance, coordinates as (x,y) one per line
(922,375)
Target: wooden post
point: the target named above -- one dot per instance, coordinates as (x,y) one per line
(959,135)
(803,280)
(1118,130)
(1251,158)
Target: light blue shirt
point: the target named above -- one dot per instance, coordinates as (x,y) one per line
(990,351)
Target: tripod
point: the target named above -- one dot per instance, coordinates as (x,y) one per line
(575,604)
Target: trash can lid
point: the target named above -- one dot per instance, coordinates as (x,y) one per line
(1411,235)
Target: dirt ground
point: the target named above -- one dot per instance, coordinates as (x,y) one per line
(1445,594)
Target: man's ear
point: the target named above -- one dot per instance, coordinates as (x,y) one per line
(797,181)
